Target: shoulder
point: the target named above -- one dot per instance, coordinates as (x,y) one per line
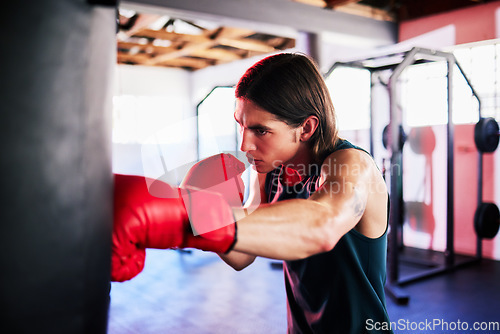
(348,162)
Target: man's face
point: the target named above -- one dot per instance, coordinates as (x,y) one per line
(267,141)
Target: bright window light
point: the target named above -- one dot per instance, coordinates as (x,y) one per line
(481,63)
(483,68)
(424,94)
(136,118)
(216,119)
(350,92)
(218,130)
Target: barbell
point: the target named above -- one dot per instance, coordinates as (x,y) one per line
(486,135)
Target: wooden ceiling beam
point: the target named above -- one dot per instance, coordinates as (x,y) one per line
(353,7)
(207,43)
(217,54)
(281,43)
(128,58)
(142,22)
(141,58)
(231,32)
(192,63)
(338,3)
(146,48)
(185,51)
(171,36)
(219,45)
(246,44)
(367,11)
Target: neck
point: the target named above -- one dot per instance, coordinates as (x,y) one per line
(302,161)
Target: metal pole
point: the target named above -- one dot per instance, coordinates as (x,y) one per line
(311,45)
(396,165)
(450,248)
(372,84)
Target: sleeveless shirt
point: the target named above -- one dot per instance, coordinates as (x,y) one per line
(339,291)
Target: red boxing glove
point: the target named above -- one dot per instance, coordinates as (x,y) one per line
(220,173)
(166,220)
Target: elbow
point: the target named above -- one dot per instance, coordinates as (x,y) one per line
(316,243)
(240,266)
(327,235)
(239,262)
(327,241)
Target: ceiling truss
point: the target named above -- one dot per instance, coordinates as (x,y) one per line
(139,44)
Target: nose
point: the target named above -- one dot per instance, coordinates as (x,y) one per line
(247,141)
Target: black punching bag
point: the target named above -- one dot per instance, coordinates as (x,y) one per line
(56,61)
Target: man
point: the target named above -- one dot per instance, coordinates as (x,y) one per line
(325,210)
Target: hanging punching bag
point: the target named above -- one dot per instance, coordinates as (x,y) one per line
(56,60)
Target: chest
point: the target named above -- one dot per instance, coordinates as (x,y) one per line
(278,190)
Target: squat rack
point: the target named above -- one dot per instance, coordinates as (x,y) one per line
(397,63)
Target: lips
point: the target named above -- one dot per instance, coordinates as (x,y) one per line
(254,161)
(251,159)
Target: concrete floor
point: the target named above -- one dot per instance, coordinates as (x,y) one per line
(196,293)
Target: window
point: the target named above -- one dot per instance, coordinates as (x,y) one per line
(136,118)
(482,65)
(424,87)
(152,137)
(350,92)
(217,129)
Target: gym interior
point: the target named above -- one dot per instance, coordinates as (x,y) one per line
(96,87)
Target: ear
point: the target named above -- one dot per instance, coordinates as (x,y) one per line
(308,127)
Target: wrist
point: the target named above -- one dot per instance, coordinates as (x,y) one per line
(239,213)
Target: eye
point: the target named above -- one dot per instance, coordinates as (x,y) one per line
(261,132)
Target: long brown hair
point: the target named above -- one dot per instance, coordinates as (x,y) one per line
(290,86)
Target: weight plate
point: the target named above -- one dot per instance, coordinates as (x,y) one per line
(487,220)
(486,135)
(422,140)
(386,134)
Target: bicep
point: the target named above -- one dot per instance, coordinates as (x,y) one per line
(344,190)
(343,196)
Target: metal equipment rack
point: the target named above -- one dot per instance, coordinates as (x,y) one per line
(397,63)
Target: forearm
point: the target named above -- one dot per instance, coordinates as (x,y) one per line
(288,230)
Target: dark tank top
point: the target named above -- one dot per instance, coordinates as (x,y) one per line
(340,291)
